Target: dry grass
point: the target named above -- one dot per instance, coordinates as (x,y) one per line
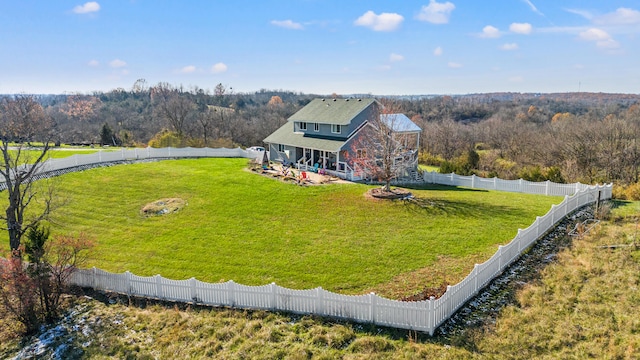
(584,306)
(163,207)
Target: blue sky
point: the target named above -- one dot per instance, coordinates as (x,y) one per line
(322,46)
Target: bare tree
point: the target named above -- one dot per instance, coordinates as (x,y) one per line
(22,119)
(173,106)
(384,149)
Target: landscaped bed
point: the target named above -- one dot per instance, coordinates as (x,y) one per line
(255,230)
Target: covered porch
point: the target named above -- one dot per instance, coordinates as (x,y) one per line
(325,162)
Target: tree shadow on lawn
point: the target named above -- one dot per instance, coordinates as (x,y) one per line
(436,187)
(436,206)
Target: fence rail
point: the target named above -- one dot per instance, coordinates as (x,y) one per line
(423,316)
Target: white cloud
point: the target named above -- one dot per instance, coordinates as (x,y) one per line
(436,13)
(509,46)
(521,28)
(93,63)
(533,7)
(219,68)
(454,65)
(287,24)
(437,51)
(490,32)
(188,69)
(622,16)
(117,63)
(584,13)
(516,79)
(395,57)
(382,22)
(600,37)
(88,7)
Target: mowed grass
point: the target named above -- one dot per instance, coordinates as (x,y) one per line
(255,230)
(30,155)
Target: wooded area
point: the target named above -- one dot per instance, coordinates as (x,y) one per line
(566,137)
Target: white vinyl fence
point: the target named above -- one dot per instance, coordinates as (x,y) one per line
(142,154)
(423,316)
(523,186)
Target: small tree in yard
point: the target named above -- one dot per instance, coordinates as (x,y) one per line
(380,148)
(22,120)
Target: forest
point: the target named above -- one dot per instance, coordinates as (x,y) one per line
(563,137)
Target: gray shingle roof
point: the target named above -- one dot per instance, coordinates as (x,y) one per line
(285,135)
(331,111)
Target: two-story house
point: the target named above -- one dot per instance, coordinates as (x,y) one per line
(321,136)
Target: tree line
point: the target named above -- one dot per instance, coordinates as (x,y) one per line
(567,137)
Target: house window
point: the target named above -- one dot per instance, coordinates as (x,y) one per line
(281,148)
(361,153)
(316,127)
(336,129)
(303,126)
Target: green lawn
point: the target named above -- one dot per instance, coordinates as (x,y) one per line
(255,230)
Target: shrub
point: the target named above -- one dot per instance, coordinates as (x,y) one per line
(426,158)
(628,192)
(166,138)
(31,292)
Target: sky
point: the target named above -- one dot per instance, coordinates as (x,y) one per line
(345,47)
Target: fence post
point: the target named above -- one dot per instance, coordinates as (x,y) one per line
(473,181)
(127,276)
(475,278)
(500,257)
(319,301)
(432,316)
(159,293)
(192,287)
(273,296)
(519,237)
(521,185)
(546,189)
(495,183)
(230,293)
(94,282)
(372,309)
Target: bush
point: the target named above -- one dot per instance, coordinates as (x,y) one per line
(425,158)
(31,292)
(464,165)
(627,192)
(536,174)
(166,138)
